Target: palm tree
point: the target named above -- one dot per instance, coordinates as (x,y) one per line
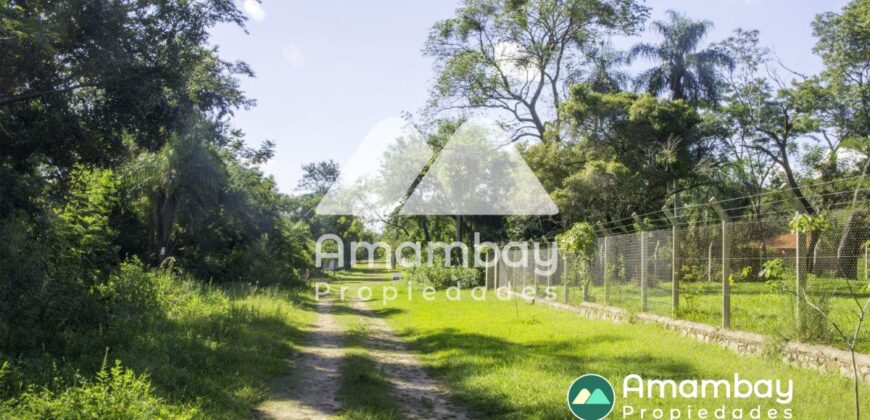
(682,70)
(605,75)
(184,177)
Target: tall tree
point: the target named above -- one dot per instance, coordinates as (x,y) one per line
(838,100)
(79,76)
(514,57)
(751,169)
(317,177)
(633,148)
(186,177)
(683,70)
(604,74)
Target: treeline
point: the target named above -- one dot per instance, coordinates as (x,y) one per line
(702,119)
(116,148)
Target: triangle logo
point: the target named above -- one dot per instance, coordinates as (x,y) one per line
(590,397)
(479,172)
(598,398)
(376,179)
(581,397)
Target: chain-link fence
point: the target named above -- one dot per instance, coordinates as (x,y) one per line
(742,274)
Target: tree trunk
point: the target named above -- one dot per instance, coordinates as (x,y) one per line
(847,249)
(424,223)
(459,235)
(801,203)
(163,208)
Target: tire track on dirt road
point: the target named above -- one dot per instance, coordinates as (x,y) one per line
(418,395)
(309,389)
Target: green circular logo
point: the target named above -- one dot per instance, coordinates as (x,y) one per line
(591,397)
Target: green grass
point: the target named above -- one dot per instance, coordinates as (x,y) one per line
(210,354)
(755,306)
(515,360)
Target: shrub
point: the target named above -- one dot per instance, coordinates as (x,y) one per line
(133,295)
(116,393)
(692,273)
(441,277)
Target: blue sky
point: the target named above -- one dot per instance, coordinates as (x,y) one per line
(329,70)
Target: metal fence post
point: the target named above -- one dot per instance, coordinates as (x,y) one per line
(800,275)
(643,289)
(549,283)
(585,283)
(726,273)
(495,272)
(606,275)
(673,217)
(726,266)
(565,278)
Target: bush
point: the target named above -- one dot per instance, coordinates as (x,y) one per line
(692,273)
(116,393)
(132,297)
(441,277)
(51,261)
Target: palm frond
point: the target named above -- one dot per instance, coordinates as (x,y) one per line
(644,50)
(653,80)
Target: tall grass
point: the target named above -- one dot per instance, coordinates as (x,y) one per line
(172,347)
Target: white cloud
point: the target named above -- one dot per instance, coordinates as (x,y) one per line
(293,55)
(254,10)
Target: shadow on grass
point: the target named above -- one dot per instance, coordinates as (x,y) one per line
(374,313)
(220,359)
(364,390)
(473,358)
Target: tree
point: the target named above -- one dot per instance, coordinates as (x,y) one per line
(751,169)
(605,75)
(633,148)
(803,223)
(838,100)
(317,177)
(80,76)
(844,45)
(683,71)
(766,114)
(514,57)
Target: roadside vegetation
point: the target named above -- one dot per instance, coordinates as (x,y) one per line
(192,351)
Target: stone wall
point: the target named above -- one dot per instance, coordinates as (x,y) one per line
(820,358)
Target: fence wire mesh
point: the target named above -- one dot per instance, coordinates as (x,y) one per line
(720,275)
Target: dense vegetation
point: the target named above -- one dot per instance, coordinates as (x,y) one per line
(148,265)
(123,191)
(709,118)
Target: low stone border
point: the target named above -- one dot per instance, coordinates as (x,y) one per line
(812,356)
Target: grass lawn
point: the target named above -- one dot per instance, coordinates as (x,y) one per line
(754,306)
(515,360)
